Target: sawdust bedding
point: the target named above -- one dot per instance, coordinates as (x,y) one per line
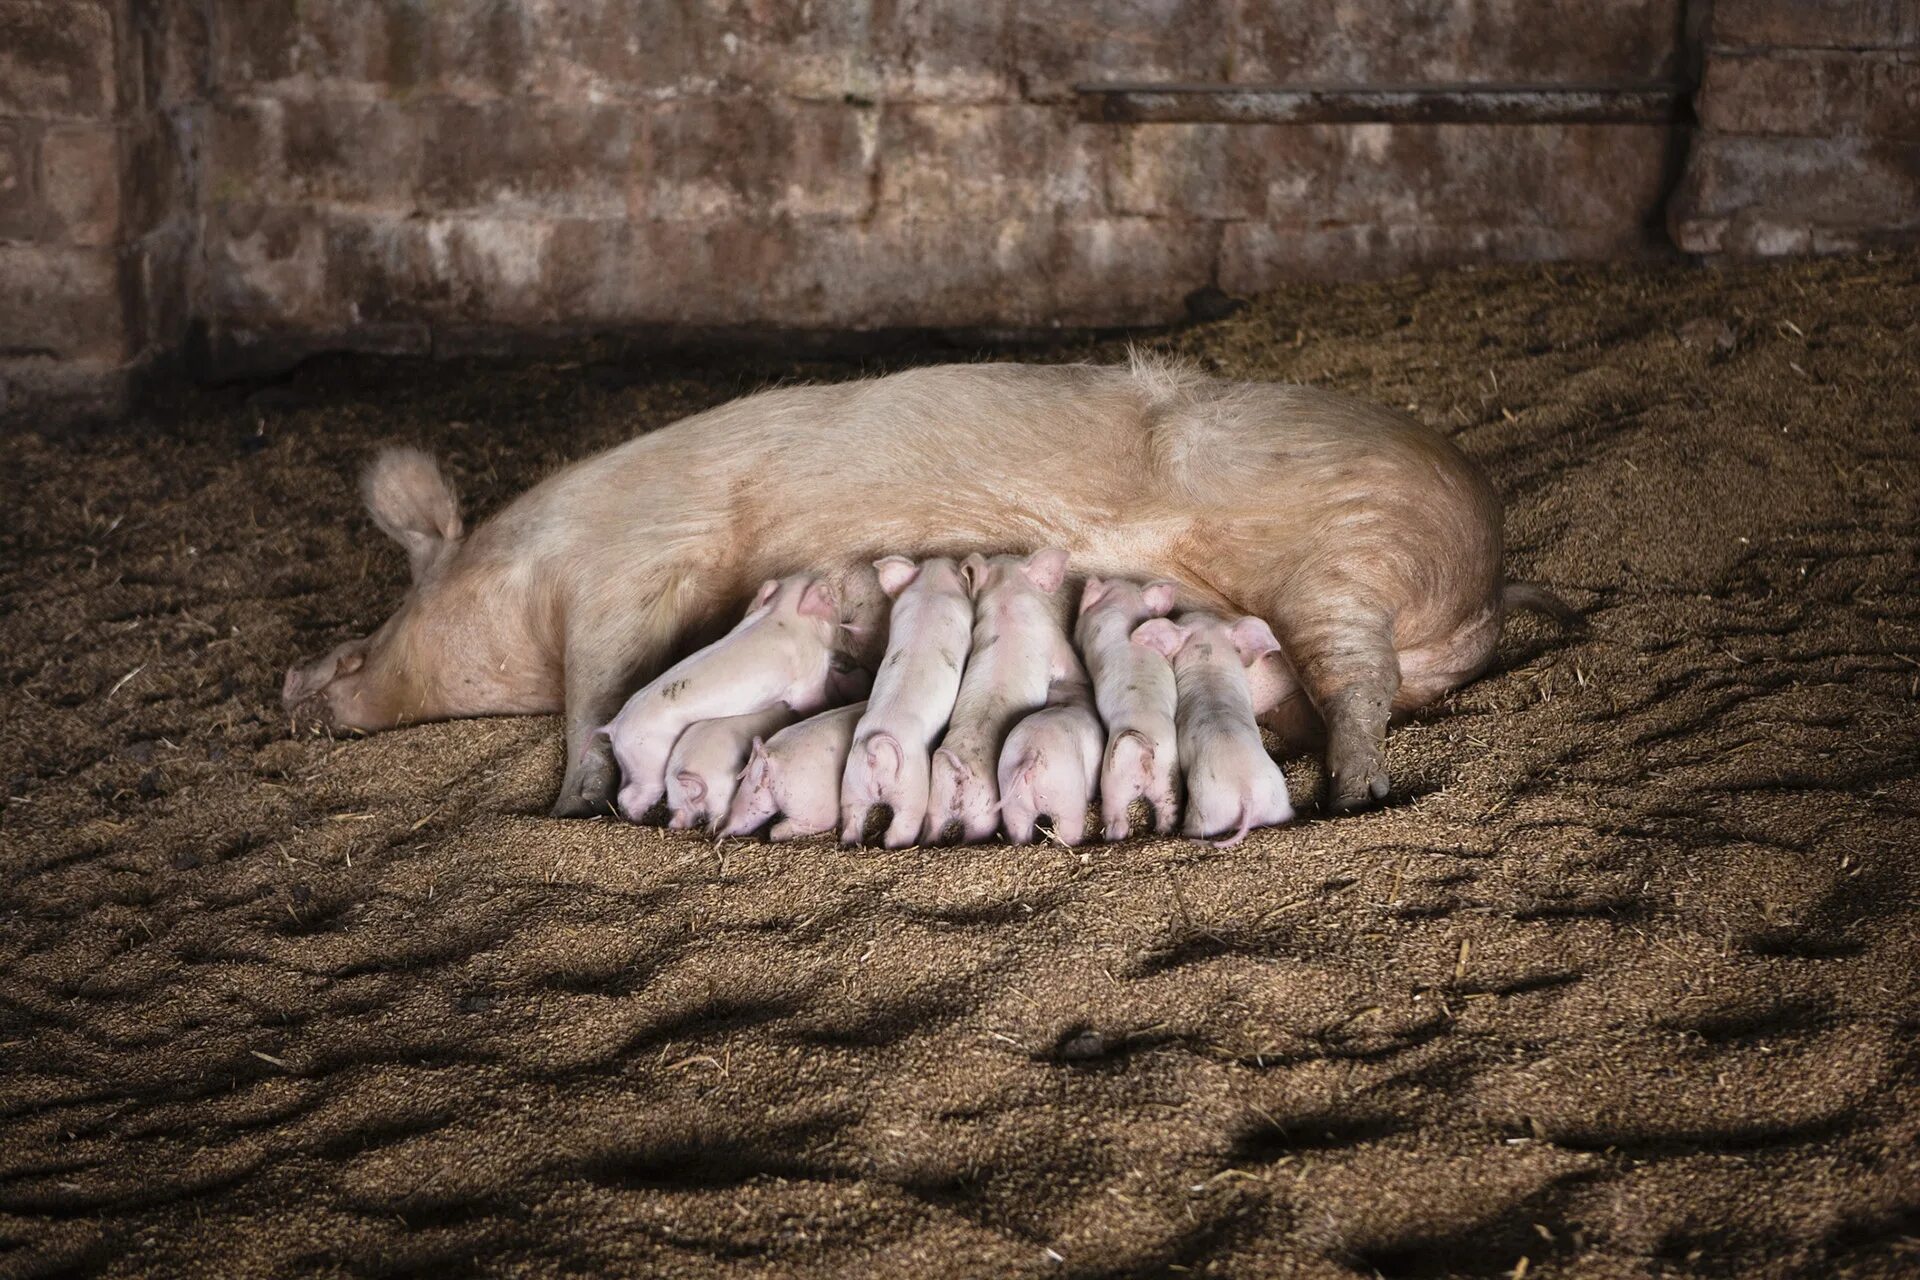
(1621,981)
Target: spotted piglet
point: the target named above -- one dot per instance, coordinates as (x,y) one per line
(787,651)
(1233,785)
(796,774)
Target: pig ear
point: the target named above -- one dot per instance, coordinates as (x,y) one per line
(413,504)
(973,572)
(1159,598)
(1254,639)
(1047,569)
(817,601)
(767,591)
(896,573)
(1091,594)
(1162,635)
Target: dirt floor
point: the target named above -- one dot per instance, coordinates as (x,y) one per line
(1622,981)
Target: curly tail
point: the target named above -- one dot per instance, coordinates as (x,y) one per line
(1537,599)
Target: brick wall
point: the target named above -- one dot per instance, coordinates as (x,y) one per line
(440,176)
(1809,135)
(407,176)
(95,223)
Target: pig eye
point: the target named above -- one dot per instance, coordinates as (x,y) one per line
(350,663)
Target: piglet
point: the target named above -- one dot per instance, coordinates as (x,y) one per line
(1020,648)
(1233,785)
(1134,690)
(784,651)
(796,773)
(1051,764)
(704,766)
(930,633)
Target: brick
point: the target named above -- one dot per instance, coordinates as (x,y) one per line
(1755,196)
(931,52)
(240,148)
(266,265)
(527,158)
(986,161)
(1057,46)
(61,301)
(806,50)
(316,43)
(1461,175)
(483,46)
(1829,24)
(56,59)
(332,150)
(80,182)
(1812,93)
(22,217)
(1438,41)
(443,268)
(892,271)
(752,158)
(1186,170)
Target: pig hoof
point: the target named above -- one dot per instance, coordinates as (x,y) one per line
(578,804)
(587,790)
(1357,789)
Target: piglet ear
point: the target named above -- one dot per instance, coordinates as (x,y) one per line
(413,504)
(1091,594)
(767,591)
(817,601)
(1159,597)
(896,573)
(1164,636)
(973,572)
(1254,639)
(1047,569)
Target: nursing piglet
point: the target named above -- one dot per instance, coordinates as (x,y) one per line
(704,767)
(1051,764)
(1233,785)
(1020,648)
(796,774)
(1134,689)
(786,650)
(929,636)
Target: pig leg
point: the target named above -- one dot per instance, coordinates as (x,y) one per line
(593,698)
(606,658)
(1346,660)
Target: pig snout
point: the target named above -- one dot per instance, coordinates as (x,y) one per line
(324,694)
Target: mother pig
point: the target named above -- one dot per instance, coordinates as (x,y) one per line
(1369,542)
